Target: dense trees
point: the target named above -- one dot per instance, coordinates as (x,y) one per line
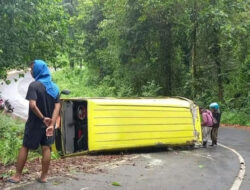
(189,48)
(30,29)
(197,48)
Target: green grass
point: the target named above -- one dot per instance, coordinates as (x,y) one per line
(11,132)
(81,85)
(11,135)
(235,117)
(75,81)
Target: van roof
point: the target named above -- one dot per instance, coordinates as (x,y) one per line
(144,101)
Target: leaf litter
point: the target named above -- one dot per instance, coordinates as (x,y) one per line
(64,167)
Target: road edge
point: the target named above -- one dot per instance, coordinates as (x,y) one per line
(239,178)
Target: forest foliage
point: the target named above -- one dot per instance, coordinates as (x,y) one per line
(198,49)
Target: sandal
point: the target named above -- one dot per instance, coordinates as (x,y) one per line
(40,181)
(13,181)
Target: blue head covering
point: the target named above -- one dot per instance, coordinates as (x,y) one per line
(214,105)
(41,73)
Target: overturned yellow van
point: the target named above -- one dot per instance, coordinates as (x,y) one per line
(100,124)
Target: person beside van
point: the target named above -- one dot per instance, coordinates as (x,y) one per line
(214,107)
(44,107)
(207,123)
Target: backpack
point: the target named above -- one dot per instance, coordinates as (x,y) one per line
(211,121)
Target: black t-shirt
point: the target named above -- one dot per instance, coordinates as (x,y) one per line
(44,102)
(217,116)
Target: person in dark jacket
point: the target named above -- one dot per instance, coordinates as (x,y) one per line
(44,106)
(214,107)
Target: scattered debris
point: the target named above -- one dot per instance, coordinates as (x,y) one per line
(84,188)
(201,166)
(237,126)
(60,167)
(25,171)
(116,184)
(56,182)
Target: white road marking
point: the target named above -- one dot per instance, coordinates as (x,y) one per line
(240,177)
(208,156)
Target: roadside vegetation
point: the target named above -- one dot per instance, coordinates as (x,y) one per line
(11,132)
(11,135)
(82,84)
(235,117)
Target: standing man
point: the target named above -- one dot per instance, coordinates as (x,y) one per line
(207,123)
(214,107)
(44,106)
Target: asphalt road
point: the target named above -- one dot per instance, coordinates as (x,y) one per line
(213,168)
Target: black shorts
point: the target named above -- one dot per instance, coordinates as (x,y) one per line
(35,136)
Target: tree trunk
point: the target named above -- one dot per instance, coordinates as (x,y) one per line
(71,62)
(55,67)
(194,48)
(166,48)
(216,54)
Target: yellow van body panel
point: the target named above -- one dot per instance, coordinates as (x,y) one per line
(130,123)
(53,148)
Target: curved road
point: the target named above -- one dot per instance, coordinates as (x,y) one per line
(16,91)
(213,168)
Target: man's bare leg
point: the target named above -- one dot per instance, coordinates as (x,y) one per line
(22,157)
(45,163)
